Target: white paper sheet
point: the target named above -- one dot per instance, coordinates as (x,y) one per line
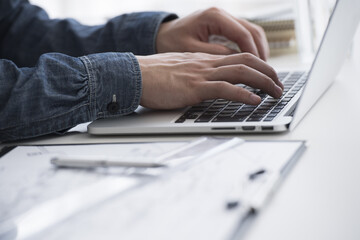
(188,201)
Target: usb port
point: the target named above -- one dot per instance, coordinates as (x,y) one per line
(248,128)
(267,128)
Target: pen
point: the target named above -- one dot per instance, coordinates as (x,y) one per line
(258,200)
(85,162)
(237,195)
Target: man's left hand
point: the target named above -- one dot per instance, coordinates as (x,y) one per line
(191,34)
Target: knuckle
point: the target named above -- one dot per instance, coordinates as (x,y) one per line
(258,30)
(208,73)
(248,57)
(213,13)
(247,36)
(220,85)
(219,88)
(212,10)
(241,69)
(193,82)
(243,94)
(273,74)
(270,85)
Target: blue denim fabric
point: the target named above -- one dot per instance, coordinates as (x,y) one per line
(55,74)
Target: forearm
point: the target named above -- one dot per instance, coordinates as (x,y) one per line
(62,91)
(26,32)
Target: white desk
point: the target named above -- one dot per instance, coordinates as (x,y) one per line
(320,197)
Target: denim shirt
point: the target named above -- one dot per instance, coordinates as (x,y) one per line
(55,74)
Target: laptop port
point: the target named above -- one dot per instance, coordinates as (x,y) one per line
(223,128)
(248,128)
(267,128)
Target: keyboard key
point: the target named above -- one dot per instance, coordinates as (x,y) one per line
(180,120)
(213,110)
(256,116)
(235,104)
(298,73)
(282,75)
(248,108)
(264,107)
(222,101)
(232,107)
(254,119)
(222,114)
(278,108)
(243,113)
(271,100)
(268,119)
(197,109)
(224,119)
(270,104)
(275,111)
(272,115)
(218,105)
(290,95)
(227,110)
(191,116)
(215,107)
(286,99)
(204,119)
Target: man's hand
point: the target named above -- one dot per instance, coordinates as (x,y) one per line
(191,34)
(175,80)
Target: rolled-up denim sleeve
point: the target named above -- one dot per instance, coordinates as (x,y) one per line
(27,32)
(62,91)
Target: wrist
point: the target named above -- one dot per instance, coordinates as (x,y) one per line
(162,42)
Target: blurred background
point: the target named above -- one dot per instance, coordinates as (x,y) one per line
(290,25)
(96,11)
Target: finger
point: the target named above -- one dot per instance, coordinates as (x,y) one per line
(225,90)
(223,24)
(236,74)
(259,37)
(251,61)
(211,48)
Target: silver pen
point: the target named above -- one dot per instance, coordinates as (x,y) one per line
(93,162)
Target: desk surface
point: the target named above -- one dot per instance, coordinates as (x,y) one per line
(320,198)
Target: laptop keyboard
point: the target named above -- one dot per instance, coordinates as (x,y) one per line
(220,110)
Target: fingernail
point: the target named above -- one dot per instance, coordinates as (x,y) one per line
(278,91)
(255,99)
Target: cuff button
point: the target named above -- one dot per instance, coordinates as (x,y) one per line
(113,107)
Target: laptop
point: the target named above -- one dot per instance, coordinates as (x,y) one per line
(302,90)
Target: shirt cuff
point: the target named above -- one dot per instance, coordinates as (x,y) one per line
(114,83)
(141,31)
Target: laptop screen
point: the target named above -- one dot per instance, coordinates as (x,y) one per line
(330,55)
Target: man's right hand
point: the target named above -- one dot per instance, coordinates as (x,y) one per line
(176,80)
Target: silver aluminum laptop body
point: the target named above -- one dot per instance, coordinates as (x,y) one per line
(330,56)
